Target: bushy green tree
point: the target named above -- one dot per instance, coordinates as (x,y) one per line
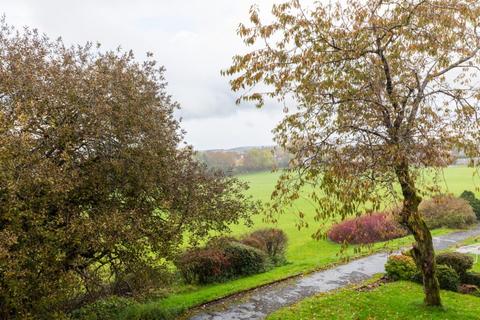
(96,188)
(469,196)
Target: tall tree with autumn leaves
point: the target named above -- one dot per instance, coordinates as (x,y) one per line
(97,189)
(383,90)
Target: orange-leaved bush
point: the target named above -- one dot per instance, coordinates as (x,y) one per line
(447,211)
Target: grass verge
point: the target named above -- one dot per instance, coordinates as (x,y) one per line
(394,301)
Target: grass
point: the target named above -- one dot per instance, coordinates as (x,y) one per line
(394,301)
(304,253)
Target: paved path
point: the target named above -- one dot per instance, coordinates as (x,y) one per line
(266,300)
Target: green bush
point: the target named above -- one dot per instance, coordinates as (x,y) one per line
(471,278)
(448,278)
(105,309)
(400,267)
(244,260)
(460,262)
(447,211)
(272,241)
(469,196)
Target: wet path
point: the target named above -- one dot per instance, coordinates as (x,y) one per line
(263,301)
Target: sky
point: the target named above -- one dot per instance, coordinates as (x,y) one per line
(193,39)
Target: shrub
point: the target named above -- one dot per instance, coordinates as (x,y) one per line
(244,260)
(447,211)
(471,278)
(460,262)
(272,241)
(468,289)
(105,309)
(203,265)
(448,278)
(400,267)
(469,196)
(367,229)
(220,260)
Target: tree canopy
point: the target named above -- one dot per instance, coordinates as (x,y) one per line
(382,90)
(97,189)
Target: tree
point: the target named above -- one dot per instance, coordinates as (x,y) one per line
(96,189)
(384,90)
(258,159)
(221,160)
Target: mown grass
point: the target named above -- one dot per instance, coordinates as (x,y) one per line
(394,301)
(304,253)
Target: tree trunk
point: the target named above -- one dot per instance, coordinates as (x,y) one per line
(423,251)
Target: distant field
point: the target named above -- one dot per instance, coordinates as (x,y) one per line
(304,253)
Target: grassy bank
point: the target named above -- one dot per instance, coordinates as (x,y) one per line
(304,253)
(393,301)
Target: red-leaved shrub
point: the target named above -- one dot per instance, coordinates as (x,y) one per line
(367,229)
(203,265)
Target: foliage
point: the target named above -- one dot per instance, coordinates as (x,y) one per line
(447,277)
(104,309)
(243,160)
(140,312)
(257,159)
(203,265)
(272,241)
(373,101)
(447,211)
(222,259)
(400,267)
(471,278)
(469,196)
(244,260)
(96,186)
(460,262)
(368,228)
(401,300)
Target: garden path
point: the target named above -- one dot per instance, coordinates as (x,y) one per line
(257,304)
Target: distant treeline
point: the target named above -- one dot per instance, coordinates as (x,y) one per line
(245,159)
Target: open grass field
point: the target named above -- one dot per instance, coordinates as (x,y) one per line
(304,253)
(394,301)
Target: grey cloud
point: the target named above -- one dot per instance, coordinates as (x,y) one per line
(193,39)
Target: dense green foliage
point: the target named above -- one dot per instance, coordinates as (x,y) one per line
(104,309)
(400,267)
(245,260)
(473,201)
(447,211)
(460,262)
(394,301)
(97,189)
(447,277)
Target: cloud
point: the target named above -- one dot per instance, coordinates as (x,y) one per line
(193,39)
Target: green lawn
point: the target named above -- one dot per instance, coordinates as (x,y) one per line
(304,253)
(393,301)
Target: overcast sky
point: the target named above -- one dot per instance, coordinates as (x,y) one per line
(193,39)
